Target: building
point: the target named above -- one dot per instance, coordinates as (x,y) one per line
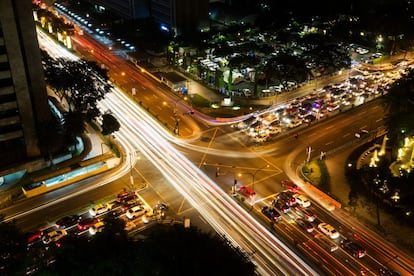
(23,98)
(181,16)
(128,9)
(176,16)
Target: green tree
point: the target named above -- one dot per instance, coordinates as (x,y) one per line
(109,124)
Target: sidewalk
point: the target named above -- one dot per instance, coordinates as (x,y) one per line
(338,184)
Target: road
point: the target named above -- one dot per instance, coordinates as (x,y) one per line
(178,178)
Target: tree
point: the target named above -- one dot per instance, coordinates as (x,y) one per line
(109,124)
(12,247)
(164,250)
(399,104)
(82,84)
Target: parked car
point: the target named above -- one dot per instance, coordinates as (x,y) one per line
(328,230)
(54,236)
(86,223)
(353,248)
(271,213)
(67,221)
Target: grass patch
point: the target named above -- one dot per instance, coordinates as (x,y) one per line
(198,101)
(317,173)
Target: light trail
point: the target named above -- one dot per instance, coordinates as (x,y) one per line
(221,211)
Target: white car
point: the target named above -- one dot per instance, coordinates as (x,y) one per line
(100,209)
(97,227)
(302,200)
(54,236)
(135,211)
(328,230)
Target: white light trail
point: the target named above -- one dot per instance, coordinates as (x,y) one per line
(217,207)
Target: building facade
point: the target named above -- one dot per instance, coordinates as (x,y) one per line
(23,97)
(181,16)
(177,16)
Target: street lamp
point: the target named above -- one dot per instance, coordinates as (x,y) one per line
(131,177)
(254,174)
(258,170)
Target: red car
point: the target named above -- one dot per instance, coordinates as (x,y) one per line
(290,185)
(125,196)
(34,236)
(85,223)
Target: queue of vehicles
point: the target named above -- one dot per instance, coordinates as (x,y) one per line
(355,90)
(296,207)
(127,206)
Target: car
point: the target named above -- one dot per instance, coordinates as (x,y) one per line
(97,227)
(362,134)
(100,209)
(125,196)
(353,248)
(302,200)
(287,198)
(247,192)
(281,206)
(306,225)
(295,123)
(128,205)
(54,236)
(86,223)
(135,211)
(160,206)
(328,230)
(306,213)
(326,243)
(261,137)
(34,236)
(67,221)
(290,185)
(271,213)
(309,118)
(274,130)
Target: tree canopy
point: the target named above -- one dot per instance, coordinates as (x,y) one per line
(399,103)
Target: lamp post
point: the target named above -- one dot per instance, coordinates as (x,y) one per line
(258,170)
(131,177)
(254,174)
